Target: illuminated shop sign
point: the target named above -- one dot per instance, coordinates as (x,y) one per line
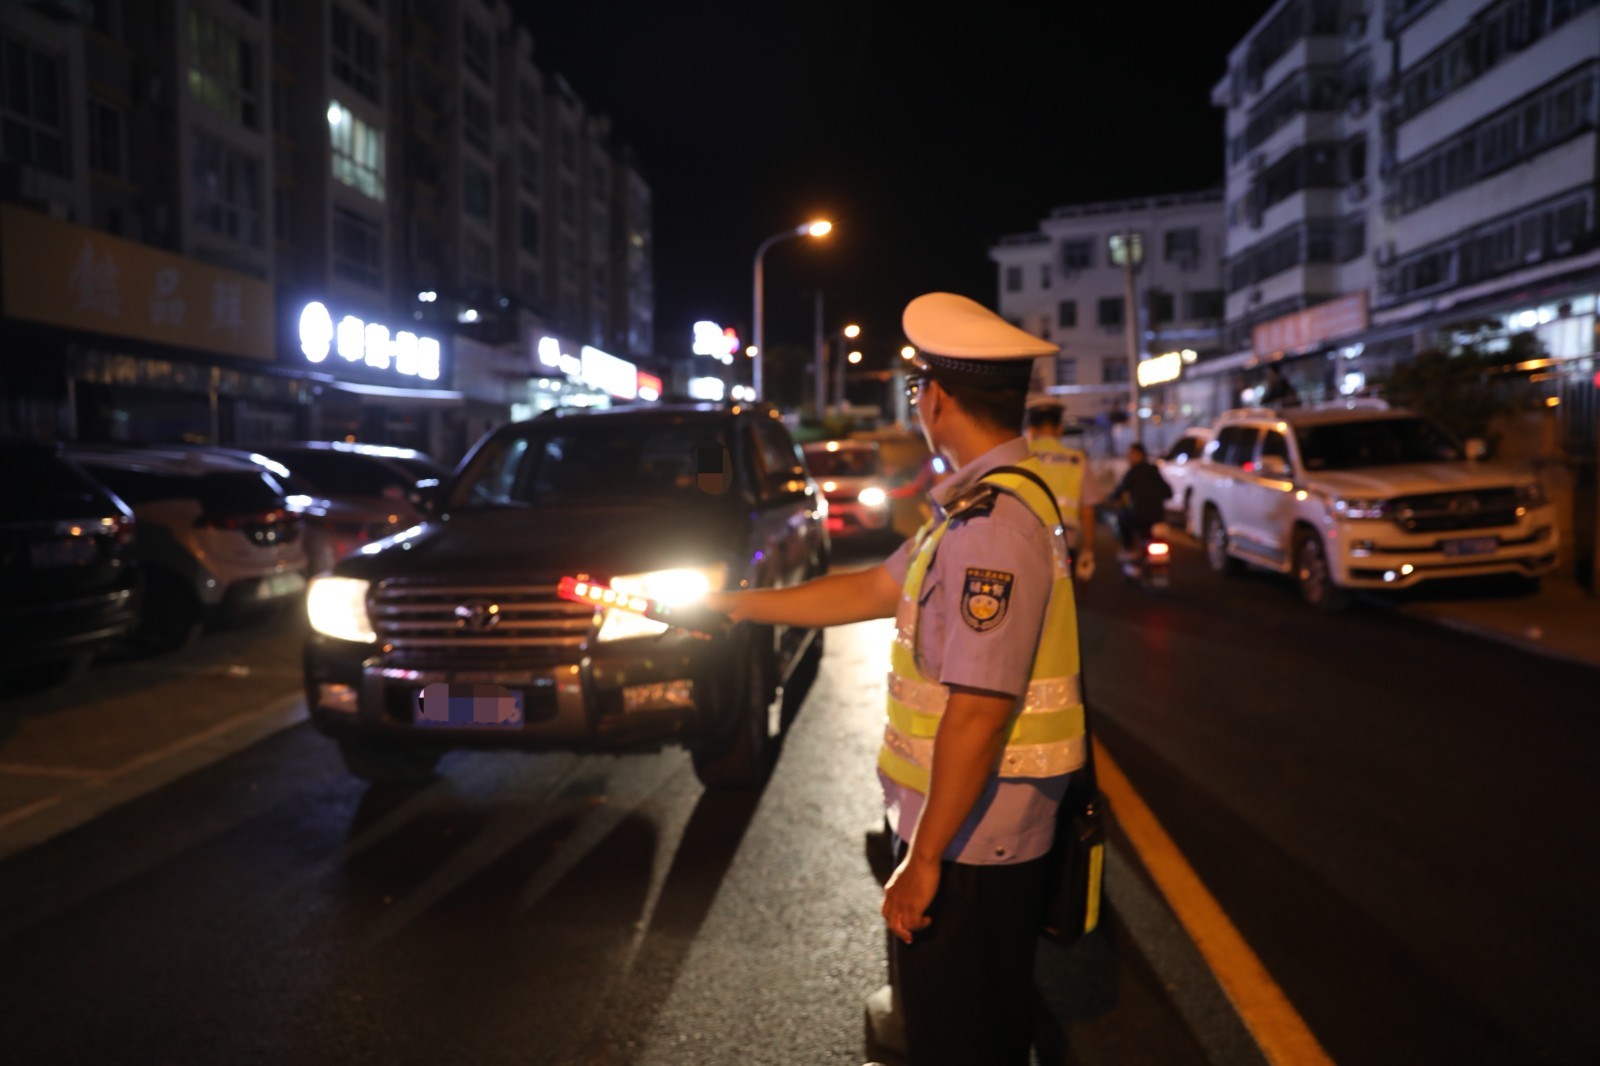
(367,343)
(1160,369)
(597,369)
(715,341)
(706,388)
(650,387)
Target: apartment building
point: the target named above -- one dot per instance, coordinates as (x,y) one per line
(241,221)
(1066,283)
(1395,169)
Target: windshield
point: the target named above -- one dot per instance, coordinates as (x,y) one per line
(846,462)
(1378,442)
(604,461)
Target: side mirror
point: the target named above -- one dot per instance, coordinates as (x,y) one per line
(713,468)
(1275,466)
(1477,449)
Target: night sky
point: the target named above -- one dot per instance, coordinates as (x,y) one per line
(924,136)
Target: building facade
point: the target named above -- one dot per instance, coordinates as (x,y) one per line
(1067,283)
(237,222)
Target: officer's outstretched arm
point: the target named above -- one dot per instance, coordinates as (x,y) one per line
(852,596)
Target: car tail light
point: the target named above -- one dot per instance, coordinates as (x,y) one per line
(248,520)
(122,530)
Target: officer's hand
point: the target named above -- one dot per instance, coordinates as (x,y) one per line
(907,896)
(1085,566)
(727,603)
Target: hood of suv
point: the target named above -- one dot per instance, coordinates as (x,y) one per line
(549,542)
(1382,482)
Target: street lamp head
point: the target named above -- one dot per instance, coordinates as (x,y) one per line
(852,331)
(855,357)
(752,351)
(908,352)
(820,228)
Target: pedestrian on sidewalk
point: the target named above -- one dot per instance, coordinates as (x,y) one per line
(985,717)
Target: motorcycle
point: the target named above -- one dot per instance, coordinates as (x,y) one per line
(1148,564)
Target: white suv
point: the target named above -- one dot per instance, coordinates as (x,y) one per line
(1354,495)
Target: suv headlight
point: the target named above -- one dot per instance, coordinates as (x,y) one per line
(1532,495)
(1360,508)
(681,587)
(871,496)
(337,607)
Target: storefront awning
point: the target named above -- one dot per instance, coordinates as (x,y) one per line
(399,398)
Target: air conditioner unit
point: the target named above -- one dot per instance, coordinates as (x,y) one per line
(1357,106)
(1563,247)
(1383,254)
(1255,296)
(1533,255)
(1386,166)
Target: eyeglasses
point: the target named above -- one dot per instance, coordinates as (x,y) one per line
(914,385)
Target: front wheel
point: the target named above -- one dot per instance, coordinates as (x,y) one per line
(1314,576)
(388,764)
(743,756)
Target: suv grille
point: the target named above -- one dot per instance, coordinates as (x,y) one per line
(1441,512)
(470,617)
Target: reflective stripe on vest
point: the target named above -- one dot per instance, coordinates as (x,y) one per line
(1046,737)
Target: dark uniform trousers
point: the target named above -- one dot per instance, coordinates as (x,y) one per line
(965,983)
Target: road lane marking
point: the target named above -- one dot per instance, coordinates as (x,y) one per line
(1278,1029)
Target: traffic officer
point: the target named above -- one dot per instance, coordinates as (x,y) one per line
(985,718)
(1070,476)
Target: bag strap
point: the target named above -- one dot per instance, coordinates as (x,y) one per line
(1050,493)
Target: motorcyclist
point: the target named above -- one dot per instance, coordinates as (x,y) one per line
(1141,497)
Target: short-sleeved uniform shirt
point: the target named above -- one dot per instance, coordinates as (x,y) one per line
(1013,820)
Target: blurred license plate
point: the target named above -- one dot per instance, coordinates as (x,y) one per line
(469,706)
(282,585)
(72,551)
(1471,546)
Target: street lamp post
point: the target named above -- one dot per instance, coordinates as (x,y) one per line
(819,228)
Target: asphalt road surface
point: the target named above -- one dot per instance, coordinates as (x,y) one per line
(1394,816)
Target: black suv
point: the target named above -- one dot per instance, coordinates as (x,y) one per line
(68,582)
(452,634)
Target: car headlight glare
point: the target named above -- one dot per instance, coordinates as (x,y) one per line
(337,607)
(872,496)
(680,587)
(1361,508)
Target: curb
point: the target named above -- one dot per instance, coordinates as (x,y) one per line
(1502,636)
(87,799)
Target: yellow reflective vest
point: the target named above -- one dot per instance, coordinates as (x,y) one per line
(1046,738)
(1063,469)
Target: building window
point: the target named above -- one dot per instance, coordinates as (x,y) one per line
(281,227)
(1205,305)
(1182,246)
(1044,275)
(357,151)
(528,104)
(475,120)
(222,69)
(357,248)
(478,260)
(528,166)
(1111,311)
(1077,255)
(475,48)
(529,228)
(1114,370)
(105,140)
(355,55)
(227,190)
(1158,305)
(1066,370)
(1013,279)
(1067,314)
(475,191)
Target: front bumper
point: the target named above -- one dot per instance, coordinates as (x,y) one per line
(43,631)
(846,517)
(1375,555)
(637,695)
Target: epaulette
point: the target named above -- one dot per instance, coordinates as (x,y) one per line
(978,500)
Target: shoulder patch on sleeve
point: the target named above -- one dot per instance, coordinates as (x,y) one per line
(985,596)
(978,500)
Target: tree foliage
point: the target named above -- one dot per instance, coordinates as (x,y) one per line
(1464,389)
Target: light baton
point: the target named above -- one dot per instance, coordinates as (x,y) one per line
(698,620)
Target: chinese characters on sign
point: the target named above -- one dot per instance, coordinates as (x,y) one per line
(368,343)
(1305,330)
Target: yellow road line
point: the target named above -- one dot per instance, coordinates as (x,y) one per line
(1279,1031)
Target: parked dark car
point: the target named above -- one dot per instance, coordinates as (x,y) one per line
(69,585)
(371,476)
(215,536)
(451,634)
